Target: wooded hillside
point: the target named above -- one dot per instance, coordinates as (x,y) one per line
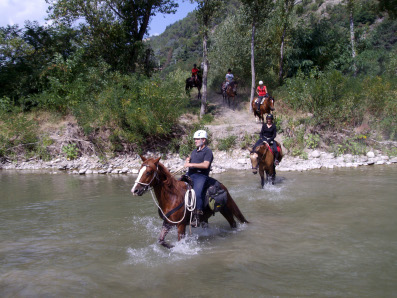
(333,60)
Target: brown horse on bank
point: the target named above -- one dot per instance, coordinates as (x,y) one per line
(229,94)
(265,108)
(170,195)
(263,158)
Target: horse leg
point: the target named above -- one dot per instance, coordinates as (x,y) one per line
(181,231)
(274,174)
(164,231)
(262,174)
(229,216)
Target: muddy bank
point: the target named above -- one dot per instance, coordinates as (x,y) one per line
(223,161)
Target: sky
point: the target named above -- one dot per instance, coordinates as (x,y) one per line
(18,11)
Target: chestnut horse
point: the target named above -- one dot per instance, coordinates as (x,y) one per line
(231,92)
(263,158)
(191,83)
(170,195)
(265,108)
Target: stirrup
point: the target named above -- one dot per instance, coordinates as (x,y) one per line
(276,162)
(196,218)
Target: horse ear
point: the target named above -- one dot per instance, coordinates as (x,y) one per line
(142,157)
(156,161)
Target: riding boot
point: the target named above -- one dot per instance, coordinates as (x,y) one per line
(258,106)
(196,220)
(276,162)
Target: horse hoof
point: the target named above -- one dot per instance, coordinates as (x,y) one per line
(166,245)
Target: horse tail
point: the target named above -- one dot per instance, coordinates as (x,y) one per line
(235,210)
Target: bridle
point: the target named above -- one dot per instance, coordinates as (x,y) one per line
(260,157)
(146,185)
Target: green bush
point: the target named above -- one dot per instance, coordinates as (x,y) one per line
(18,134)
(312,141)
(355,145)
(71,151)
(227,143)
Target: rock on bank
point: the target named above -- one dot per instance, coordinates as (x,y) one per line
(223,161)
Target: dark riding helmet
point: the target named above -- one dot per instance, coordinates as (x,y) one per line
(269,116)
(229,70)
(194,65)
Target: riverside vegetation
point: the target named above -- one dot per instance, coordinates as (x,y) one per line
(64,94)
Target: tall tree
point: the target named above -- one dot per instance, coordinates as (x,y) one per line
(255,10)
(350,7)
(117,26)
(206,12)
(286,10)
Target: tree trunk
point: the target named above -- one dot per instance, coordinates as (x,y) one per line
(252,65)
(280,73)
(352,40)
(205,74)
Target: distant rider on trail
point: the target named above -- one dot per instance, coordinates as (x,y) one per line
(229,78)
(195,71)
(262,92)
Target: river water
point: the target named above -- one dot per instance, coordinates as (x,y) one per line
(323,233)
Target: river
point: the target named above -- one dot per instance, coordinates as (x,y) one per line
(321,233)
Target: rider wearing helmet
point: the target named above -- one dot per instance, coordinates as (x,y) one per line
(199,164)
(268,134)
(262,92)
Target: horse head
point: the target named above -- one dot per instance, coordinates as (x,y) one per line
(147,174)
(257,156)
(254,162)
(270,101)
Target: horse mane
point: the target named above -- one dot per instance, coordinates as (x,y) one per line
(262,149)
(167,178)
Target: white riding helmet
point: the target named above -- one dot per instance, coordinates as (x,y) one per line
(200,134)
(260,82)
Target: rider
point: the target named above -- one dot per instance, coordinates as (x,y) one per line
(268,134)
(195,71)
(199,164)
(262,92)
(229,78)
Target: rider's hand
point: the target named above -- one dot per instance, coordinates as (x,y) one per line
(187,162)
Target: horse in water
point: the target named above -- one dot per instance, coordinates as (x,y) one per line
(191,83)
(265,108)
(229,93)
(263,158)
(170,194)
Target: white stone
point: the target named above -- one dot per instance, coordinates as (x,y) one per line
(370,154)
(380,162)
(134,171)
(82,171)
(124,170)
(242,161)
(89,172)
(385,157)
(315,154)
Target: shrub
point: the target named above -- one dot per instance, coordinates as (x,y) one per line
(18,134)
(71,151)
(227,143)
(312,141)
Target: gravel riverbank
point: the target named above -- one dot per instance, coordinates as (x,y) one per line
(223,161)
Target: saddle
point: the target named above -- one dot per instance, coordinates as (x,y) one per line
(216,197)
(185,178)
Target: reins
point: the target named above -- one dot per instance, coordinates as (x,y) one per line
(189,200)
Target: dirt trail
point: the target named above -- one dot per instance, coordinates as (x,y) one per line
(231,122)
